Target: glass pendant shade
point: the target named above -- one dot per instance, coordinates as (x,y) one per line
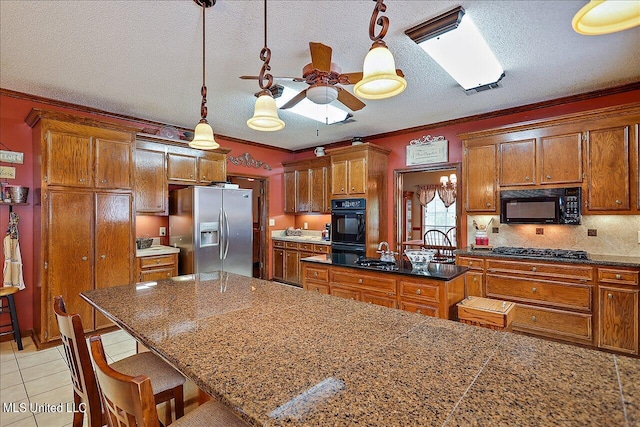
(379,79)
(203,137)
(606,16)
(265,117)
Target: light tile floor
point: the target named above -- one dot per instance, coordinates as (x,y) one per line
(31,377)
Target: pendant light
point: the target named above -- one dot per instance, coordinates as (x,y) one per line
(606,16)
(380,79)
(265,117)
(203,134)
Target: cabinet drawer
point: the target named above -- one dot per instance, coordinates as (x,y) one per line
(156,274)
(156,261)
(317,273)
(305,247)
(322,249)
(414,307)
(291,245)
(424,291)
(554,271)
(553,322)
(566,295)
(365,281)
(345,293)
(472,263)
(379,300)
(317,287)
(278,243)
(619,277)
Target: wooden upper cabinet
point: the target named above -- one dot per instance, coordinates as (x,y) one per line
(608,169)
(182,167)
(114,167)
(518,163)
(306,186)
(561,159)
(480,178)
(75,152)
(303,191)
(349,176)
(211,170)
(357,176)
(289,195)
(151,181)
(319,201)
(339,183)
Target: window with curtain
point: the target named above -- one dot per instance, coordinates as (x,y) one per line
(436,216)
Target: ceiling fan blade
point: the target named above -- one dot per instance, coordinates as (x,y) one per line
(291,79)
(354,78)
(320,56)
(293,101)
(353,103)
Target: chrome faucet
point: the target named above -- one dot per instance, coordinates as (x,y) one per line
(387,255)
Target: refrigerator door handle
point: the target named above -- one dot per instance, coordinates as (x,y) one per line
(226,237)
(220,234)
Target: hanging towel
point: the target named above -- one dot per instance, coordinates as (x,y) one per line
(12,271)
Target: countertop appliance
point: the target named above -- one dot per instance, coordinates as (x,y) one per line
(213,229)
(541,252)
(348,226)
(548,206)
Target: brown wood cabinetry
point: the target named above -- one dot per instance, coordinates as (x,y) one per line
(474,278)
(151,193)
(479,166)
(84,220)
(518,162)
(306,186)
(618,292)
(182,167)
(367,287)
(156,267)
(560,157)
(287,256)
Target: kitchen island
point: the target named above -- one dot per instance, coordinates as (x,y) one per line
(277,355)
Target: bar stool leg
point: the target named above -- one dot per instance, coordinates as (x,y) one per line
(14,321)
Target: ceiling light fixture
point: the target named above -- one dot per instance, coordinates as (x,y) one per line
(327,113)
(379,79)
(455,43)
(203,133)
(605,16)
(322,94)
(265,116)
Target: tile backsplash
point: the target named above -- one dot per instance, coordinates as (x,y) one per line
(616,234)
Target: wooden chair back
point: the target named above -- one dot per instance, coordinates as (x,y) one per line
(128,401)
(77,354)
(438,240)
(452,235)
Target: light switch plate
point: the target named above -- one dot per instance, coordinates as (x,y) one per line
(272,222)
(163,231)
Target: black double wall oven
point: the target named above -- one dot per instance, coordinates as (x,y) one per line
(348,226)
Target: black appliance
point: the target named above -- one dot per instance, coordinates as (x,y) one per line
(548,206)
(348,226)
(541,252)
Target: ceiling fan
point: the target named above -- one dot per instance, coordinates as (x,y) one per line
(323,77)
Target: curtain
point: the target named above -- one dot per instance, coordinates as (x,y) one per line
(426,193)
(447,195)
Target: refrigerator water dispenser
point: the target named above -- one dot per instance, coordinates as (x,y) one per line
(209,234)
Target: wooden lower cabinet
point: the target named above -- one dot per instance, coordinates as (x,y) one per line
(554,323)
(287,256)
(474,279)
(157,267)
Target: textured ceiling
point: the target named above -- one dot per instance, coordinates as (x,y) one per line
(143,58)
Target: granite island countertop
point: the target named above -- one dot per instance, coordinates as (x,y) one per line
(281,356)
(157,250)
(594,259)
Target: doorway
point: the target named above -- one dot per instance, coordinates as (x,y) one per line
(410,221)
(259,185)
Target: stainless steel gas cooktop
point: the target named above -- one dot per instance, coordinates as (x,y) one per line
(541,252)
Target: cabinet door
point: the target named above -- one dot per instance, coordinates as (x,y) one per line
(473,284)
(289,192)
(151,182)
(292,266)
(561,159)
(345,293)
(480,181)
(357,176)
(211,170)
(303,191)
(278,264)
(339,177)
(181,167)
(113,243)
(518,163)
(69,255)
(113,164)
(382,300)
(69,159)
(318,193)
(608,169)
(619,319)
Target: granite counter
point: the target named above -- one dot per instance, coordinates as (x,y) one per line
(279,356)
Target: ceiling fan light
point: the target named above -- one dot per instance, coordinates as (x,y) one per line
(322,94)
(203,137)
(265,117)
(379,78)
(605,16)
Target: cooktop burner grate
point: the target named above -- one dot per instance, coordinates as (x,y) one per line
(541,252)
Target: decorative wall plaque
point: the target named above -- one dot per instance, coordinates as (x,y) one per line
(246,160)
(11,157)
(8,172)
(427,150)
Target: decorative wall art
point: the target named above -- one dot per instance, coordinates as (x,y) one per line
(427,150)
(246,160)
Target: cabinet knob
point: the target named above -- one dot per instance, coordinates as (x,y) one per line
(610,296)
(341,188)
(548,176)
(317,290)
(168,274)
(353,188)
(103,256)
(104,181)
(84,258)
(618,276)
(618,202)
(488,205)
(470,263)
(418,292)
(534,290)
(157,261)
(204,177)
(533,318)
(81,180)
(359,280)
(419,311)
(534,269)
(315,273)
(475,279)
(190,175)
(526,178)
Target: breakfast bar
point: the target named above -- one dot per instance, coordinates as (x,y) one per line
(277,355)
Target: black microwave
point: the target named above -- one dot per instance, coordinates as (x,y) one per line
(548,206)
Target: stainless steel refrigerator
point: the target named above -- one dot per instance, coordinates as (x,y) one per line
(213,229)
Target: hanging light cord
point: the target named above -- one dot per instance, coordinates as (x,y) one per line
(203,91)
(265,56)
(383,21)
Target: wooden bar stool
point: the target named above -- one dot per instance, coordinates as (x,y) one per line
(6,294)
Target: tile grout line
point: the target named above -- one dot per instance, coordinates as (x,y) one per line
(484,365)
(624,405)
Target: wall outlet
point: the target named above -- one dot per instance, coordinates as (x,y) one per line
(592,232)
(163,231)
(272,222)
(539,230)
(495,230)
(305,225)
